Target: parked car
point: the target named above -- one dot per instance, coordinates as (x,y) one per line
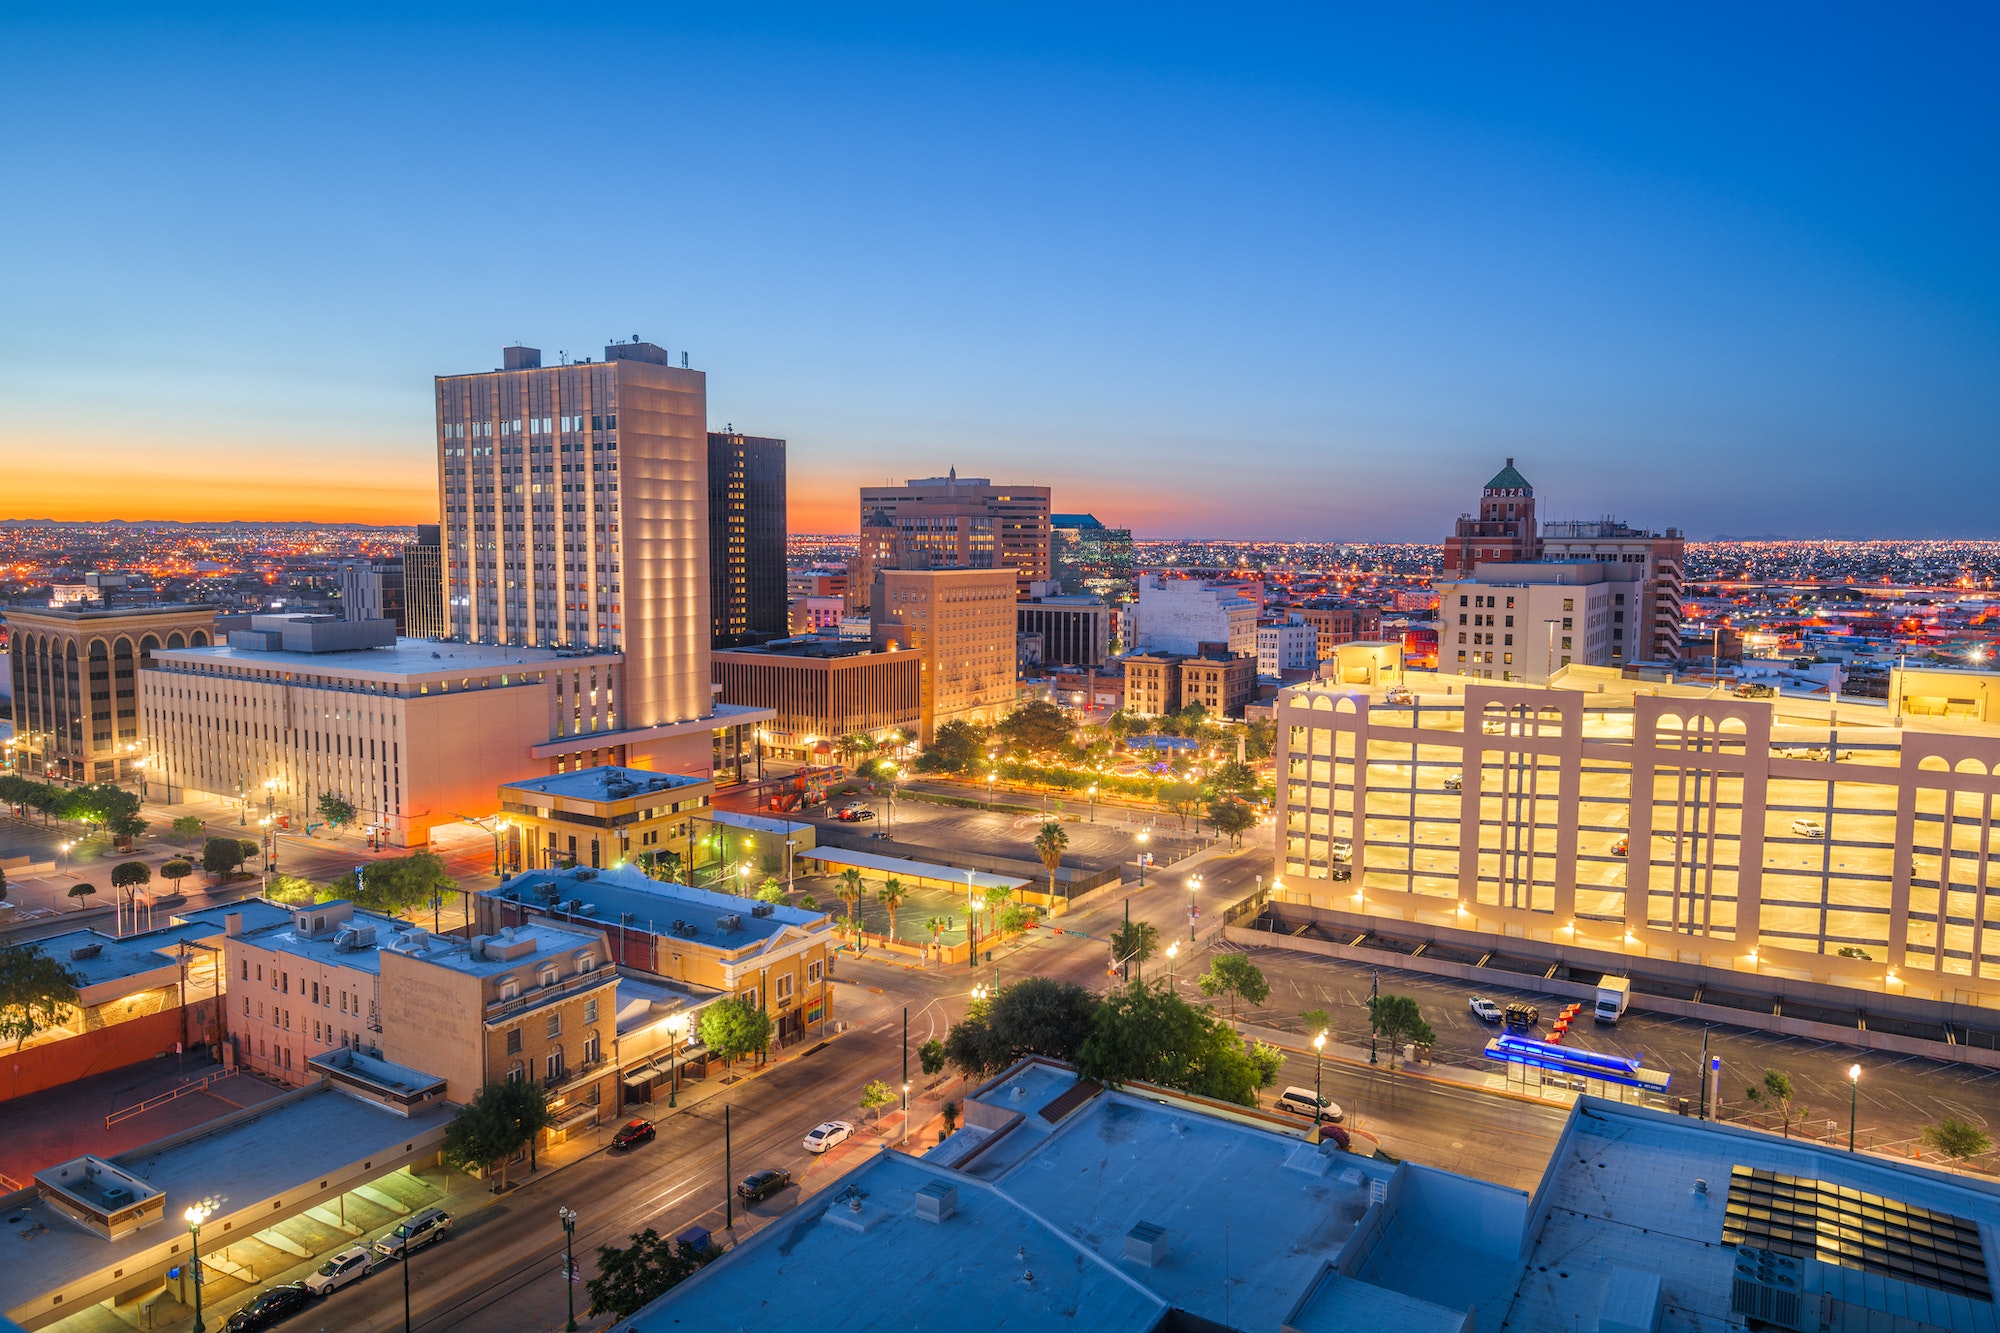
(1523,1017)
(1342,849)
(416,1231)
(1485,1010)
(1340,871)
(634,1133)
(270,1307)
(345,1267)
(827,1135)
(1455,782)
(854,814)
(1808,828)
(1302,1101)
(1623,846)
(761,1185)
(1399,695)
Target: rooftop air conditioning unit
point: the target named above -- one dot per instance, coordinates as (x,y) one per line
(729,923)
(1771,1287)
(763,909)
(86,951)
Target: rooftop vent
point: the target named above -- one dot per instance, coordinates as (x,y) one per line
(763,909)
(1146,1244)
(937,1201)
(728,923)
(586,873)
(86,951)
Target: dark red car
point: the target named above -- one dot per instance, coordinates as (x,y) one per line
(634,1133)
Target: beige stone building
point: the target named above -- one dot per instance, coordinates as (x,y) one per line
(602,816)
(76,672)
(1220,682)
(960,623)
(303,984)
(823,689)
(1842,844)
(1153,684)
(951,522)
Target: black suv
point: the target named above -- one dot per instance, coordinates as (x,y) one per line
(761,1185)
(269,1308)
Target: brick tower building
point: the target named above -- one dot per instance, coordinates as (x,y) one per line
(1504,530)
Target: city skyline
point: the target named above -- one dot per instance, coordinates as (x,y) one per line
(1729,287)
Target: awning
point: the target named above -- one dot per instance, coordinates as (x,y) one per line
(928,871)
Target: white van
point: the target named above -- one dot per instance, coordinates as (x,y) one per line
(1302,1101)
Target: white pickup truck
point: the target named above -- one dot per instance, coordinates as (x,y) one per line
(1613,994)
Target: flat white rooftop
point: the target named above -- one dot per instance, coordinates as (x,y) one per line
(412,660)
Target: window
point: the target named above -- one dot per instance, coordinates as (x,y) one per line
(515,1073)
(784,988)
(549,977)
(813,968)
(1510,619)
(246,969)
(509,988)
(1569,603)
(590,1049)
(555,1064)
(584,962)
(590,1011)
(513,1041)
(1461,602)
(749,997)
(555,1026)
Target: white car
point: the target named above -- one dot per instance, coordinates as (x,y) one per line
(1808,828)
(1343,850)
(1299,1101)
(340,1270)
(825,1136)
(1484,1009)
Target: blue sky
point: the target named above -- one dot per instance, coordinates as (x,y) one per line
(1304,274)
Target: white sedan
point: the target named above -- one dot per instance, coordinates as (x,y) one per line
(340,1270)
(1484,1009)
(825,1136)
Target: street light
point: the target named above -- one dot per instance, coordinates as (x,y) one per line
(1093,802)
(991,778)
(1144,838)
(677,1029)
(568,1216)
(196,1215)
(1173,951)
(1319,1103)
(1194,885)
(270,795)
(906,1112)
(1853,1098)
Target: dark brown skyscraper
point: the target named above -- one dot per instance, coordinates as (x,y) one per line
(746,538)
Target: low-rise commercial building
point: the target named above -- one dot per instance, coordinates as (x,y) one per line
(1075,631)
(1152,684)
(1527,621)
(1177,615)
(823,688)
(772,955)
(306,982)
(1336,622)
(599,817)
(1220,682)
(1290,644)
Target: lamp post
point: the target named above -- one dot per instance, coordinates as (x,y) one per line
(1173,951)
(677,1029)
(1853,1099)
(242,806)
(1194,885)
(270,844)
(991,778)
(568,1216)
(196,1215)
(138,767)
(1319,1100)
(1093,802)
(790,843)
(906,1114)
(1144,838)
(1375,994)
(270,796)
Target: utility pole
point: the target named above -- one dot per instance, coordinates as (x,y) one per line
(1704,1075)
(1375,992)
(728,1195)
(1128,936)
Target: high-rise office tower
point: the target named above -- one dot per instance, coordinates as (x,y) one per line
(746,538)
(373,590)
(951,522)
(1089,558)
(423,586)
(575,508)
(1504,530)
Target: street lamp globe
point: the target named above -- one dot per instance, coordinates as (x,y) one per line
(1854,1073)
(1319,1042)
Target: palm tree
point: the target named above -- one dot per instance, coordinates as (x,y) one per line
(890,895)
(936,927)
(1050,844)
(850,893)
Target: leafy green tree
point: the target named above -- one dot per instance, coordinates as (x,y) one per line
(283,888)
(1179,798)
(185,829)
(631,1278)
(1016,917)
(1233,777)
(80,889)
(810,903)
(936,927)
(221,857)
(335,811)
(876,1096)
(957,747)
(1231,818)
(1316,1021)
(1037,727)
(949,1114)
(1033,1016)
(665,867)
(501,1119)
(734,1028)
(1957,1139)
(996,897)
(175,871)
(131,875)
(1145,1032)
(850,892)
(1234,975)
(1397,1019)
(931,1056)
(1050,844)
(1775,1092)
(1133,943)
(399,884)
(1260,739)
(771,891)
(36,992)
(976,1048)
(1267,1060)
(891,896)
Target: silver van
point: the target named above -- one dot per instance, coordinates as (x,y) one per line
(414,1232)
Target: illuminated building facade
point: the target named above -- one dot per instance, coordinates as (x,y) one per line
(746,538)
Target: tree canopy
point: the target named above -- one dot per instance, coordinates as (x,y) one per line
(131,875)
(734,1028)
(1234,975)
(1038,727)
(36,992)
(222,856)
(956,747)
(335,811)
(1133,943)
(500,1121)
(1033,1016)
(1145,1032)
(1397,1019)
(631,1278)
(398,884)
(1232,818)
